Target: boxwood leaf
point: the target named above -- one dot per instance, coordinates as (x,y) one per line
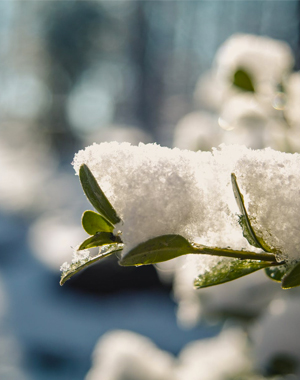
(243,81)
(99,239)
(96,196)
(276,273)
(224,272)
(92,223)
(244,220)
(156,250)
(75,268)
(166,247)
(292,277)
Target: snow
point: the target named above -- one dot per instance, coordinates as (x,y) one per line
(65,267)
(293,99)
(266,59)
(273,334)
(79,257)
(265,117)
(197,131)
(157,190)
(121,355)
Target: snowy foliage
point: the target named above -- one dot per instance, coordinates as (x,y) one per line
(157,191)
(154,204)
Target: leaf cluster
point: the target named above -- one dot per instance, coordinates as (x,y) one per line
(100,226)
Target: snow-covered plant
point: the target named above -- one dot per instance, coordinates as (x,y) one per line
(235,208)
(248,64)
(252,90)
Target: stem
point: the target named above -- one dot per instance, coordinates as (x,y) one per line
(77,268)
(243,255)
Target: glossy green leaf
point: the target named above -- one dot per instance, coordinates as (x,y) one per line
(244,220)
(243,81)
(292,277)
(78,267)
(166,247)
(93,223)
(276,273)
(99,239)
(96,196)
(156,250)
(225,272)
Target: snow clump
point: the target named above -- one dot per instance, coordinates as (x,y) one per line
(157,191)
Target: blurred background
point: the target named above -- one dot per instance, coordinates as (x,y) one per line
(190,74)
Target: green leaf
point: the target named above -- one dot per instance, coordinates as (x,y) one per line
(247,232)
(93,223)
(224,272)
(167,247)
(243,81)
(96,196)
(99,239)
(77,267)
(244,220)
(292,277)
(156,250)
(281,87)
(238,254)
(276,273)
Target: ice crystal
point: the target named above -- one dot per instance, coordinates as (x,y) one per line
(65,267)
(80,256)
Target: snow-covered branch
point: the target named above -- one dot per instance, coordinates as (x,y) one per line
(157,203)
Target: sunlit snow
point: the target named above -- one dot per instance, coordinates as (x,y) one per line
(157,191)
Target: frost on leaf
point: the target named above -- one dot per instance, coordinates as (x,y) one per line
(228,270)
(83,260)
(65,267)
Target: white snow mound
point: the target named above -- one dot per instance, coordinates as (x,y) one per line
(156,191)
